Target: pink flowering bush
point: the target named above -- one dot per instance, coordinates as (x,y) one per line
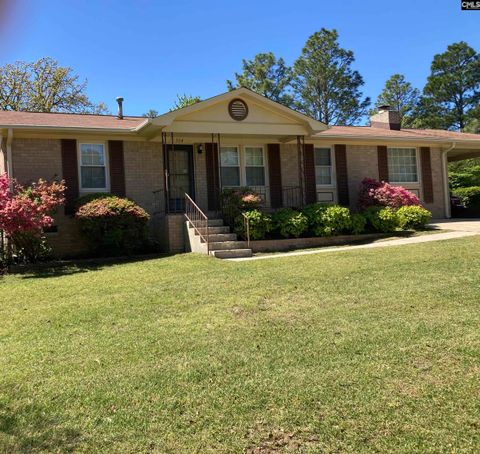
(380,193)
(25,211)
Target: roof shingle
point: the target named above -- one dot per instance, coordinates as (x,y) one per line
(67,120)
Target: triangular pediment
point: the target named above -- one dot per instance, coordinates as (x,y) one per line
(223,114)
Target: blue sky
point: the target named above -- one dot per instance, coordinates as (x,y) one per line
(148,51)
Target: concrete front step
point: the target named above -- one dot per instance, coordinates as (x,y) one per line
(231,253)
(214,230)
(211,223)
(224,245)
(217,237)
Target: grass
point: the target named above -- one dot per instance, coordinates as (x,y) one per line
(363,351)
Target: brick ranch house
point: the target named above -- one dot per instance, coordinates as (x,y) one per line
(238,138)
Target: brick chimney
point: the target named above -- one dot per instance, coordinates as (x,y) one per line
(386,118)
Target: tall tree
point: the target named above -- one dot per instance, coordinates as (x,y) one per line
(185,101)
(399,94)
(266,75)
(152,113)
(44,86)
(326,86)
(453,88)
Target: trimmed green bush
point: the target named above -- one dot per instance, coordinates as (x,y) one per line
(87,198)
(113,225)
(413,217)
(260,224)
(334,220)
(470,196)
(289,223)
(358,223)
(383,220)
(327,220)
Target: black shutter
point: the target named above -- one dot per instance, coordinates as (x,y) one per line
(427,179)
(309,174)
(117,167)
(213,181)
(275,175)
(382,163)
(70,173)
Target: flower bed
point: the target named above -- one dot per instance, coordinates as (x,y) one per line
(383,209)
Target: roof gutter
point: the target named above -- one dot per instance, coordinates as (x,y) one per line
(446,188)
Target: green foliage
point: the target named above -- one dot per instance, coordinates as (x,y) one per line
(466,178)
(152,113)
(235,201)
(87,198)
(452,92)
(267,76)
(400,95)
(470,197)
(183,101)
(384,220)
(326,86)
(413,217)
(328,220)
(289,223)
(259,224)
(113,225)
(44,86)
(358,223)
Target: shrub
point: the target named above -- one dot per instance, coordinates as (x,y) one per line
(25,211)
(327,220)
(470,197)
(413,217)
(383,220)
(333,221)
(289,222)
(113,225)
(87,198)
(314,212)
(358,223)
(235,201)
(260,224)
(380,193)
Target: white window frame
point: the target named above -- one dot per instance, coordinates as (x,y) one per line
(333,175)
(244,152)
(403,183)
(242,164)
(106,165)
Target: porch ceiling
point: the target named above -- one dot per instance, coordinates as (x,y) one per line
(458,154)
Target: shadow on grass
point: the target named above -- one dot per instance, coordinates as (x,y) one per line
(69,267)
(28,429)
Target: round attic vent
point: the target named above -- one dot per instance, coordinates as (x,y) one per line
(238,109)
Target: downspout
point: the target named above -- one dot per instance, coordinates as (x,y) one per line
(446,189)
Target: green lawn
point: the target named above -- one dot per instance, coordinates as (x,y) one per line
(364,351)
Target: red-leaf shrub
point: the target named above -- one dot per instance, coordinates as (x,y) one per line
(113,225)
(25,211)
(380,193)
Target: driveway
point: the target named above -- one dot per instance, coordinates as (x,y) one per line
(457,225)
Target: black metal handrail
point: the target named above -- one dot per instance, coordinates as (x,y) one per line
(197,219)
(246,228)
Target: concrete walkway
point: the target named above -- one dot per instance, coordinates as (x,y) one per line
(455,229)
